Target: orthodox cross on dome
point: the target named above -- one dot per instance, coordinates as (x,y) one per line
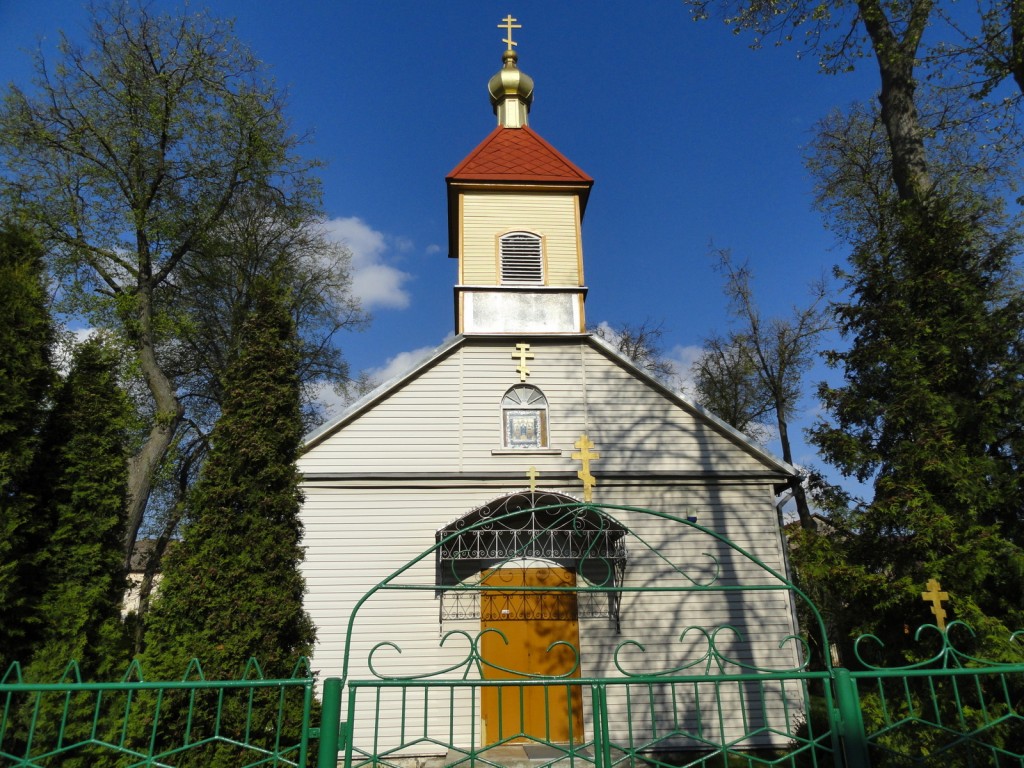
(508,23)
(585,456)
(935,596)
(523,353)
(532,473)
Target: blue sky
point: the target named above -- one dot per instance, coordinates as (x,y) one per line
(692,138)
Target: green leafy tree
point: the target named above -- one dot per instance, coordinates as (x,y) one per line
(757,372)
(26,339)
(930,409)
(129,154)
(82,473)
(232,589)
(725,381)
(259,235)
(931,412)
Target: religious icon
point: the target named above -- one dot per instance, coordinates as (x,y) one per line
(523,429)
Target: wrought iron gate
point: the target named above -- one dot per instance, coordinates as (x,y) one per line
(688,655)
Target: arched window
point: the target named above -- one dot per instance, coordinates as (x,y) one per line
(522,261)
(524,417)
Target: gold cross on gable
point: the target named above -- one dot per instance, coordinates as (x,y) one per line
(532,473)
(508,23)
(935,595)
(523,353)
(585,456)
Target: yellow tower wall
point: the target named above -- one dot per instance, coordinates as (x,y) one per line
(552,215)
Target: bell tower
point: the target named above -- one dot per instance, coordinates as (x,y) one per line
(515,209)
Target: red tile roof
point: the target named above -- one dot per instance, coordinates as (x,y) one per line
(517,154)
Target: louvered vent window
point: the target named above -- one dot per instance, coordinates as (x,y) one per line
(521,259)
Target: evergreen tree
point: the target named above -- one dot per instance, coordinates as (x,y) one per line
(931,412)
(26,337)
(232,589)
(83,472)
(80,475)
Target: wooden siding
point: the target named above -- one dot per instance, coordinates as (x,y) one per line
(356,537)
(449,420)
(429,451)
(485,216)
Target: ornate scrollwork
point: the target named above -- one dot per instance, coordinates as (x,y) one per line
(473,660)
(712,655)
(947,656)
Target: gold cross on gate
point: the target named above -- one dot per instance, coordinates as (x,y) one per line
(935,595)
(585,456)
(532,473)
(508,23)
(523,353)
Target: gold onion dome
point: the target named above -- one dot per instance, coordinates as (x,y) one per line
(511,93)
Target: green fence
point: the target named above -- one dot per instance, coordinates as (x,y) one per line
(738,689)
(734,690)
(251,721)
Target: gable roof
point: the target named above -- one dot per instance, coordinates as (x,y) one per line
(371,399)
(517,155)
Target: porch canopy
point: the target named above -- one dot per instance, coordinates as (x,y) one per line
(542,525)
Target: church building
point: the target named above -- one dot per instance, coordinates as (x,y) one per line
(523,408)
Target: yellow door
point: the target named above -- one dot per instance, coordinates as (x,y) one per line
(531,622)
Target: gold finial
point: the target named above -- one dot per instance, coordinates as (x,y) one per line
(508,23)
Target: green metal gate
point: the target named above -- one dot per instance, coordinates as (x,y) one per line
(687,656)
(722,681)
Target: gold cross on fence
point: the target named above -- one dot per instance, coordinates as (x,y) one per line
(508,23)
(585,456)
(523,353)
(935,595)
(532,473)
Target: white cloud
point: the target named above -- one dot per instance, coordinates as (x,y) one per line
(334,403)
(608,333)
(682,359)
(375,282)
(433,248)
(400,363)
(331,401)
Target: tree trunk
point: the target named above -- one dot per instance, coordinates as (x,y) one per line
(1017,42)
(896,59)
(167,417)
(803,509)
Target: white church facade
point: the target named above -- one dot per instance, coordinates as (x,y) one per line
(525,408)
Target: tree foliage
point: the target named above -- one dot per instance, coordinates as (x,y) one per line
(931,412)
(930,408)
(129,154)
(260,235)
(641,344)
(726,383)
(26,341)
(758,370)
(82,474)
(232,588)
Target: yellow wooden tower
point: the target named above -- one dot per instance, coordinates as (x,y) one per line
(515,207)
